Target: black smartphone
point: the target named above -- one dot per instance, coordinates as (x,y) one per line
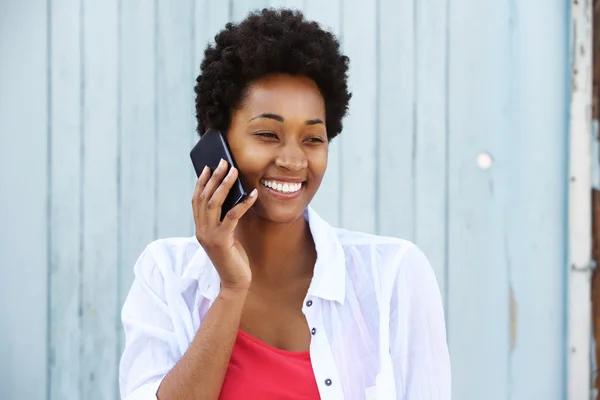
(209,150)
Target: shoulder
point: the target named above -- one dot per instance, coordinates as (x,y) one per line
(350,239)
(395,260)
(173,248)
(167,257)
(383,250)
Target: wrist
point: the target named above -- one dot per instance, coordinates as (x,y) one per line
(234,291)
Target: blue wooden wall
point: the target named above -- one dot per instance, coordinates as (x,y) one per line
(457,140)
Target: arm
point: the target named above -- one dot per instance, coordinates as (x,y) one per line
(200,372)
(418,333)
(150,368)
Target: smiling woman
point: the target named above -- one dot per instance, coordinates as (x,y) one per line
(272,302)
(282,149)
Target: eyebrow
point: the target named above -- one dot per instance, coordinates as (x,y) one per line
(279,118)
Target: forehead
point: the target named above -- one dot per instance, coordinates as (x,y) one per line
(285,95)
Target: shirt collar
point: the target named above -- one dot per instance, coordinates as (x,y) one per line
(329,277)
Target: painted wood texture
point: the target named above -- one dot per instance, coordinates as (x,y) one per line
(94,153)
(24,191)
(66,200)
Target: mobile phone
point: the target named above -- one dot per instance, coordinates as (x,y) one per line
(209,150)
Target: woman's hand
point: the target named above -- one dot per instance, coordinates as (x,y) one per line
(216,237)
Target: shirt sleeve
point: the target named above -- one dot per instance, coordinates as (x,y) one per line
(150,343)
(418,343)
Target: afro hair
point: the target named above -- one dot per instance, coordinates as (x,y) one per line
(270,42)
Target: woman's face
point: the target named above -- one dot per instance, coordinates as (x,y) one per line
(279,142)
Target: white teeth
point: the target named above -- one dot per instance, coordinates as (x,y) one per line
(282,187)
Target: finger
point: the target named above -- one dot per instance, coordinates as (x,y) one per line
(215,203)
(215,179)
(213,182)
(200,184)
(233,216)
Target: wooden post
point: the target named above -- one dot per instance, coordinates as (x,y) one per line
(579,311)
(596,200)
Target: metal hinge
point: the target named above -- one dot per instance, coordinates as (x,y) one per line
(590,266)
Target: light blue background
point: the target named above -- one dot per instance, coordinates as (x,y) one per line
(97,120)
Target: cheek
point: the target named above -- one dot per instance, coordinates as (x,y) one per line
(250,162)
(318,164)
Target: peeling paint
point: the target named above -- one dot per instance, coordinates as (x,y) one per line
(514,319)
(579,311)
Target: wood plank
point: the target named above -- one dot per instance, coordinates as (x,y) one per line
(596,198)
(579,240)
(535,212)
(24,199)
(596,286)
(66,190)
(327,200)
(137,127)
(100,315)
(396,126)
(430,146)
(358,141)
(175,117)
(211,16)
(478,288)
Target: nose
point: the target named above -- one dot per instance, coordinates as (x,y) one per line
(291,158)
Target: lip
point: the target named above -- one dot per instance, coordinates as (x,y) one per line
(283,179)
(280,195)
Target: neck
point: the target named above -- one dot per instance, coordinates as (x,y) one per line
(278,252)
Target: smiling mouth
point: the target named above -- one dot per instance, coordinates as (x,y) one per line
(282,187)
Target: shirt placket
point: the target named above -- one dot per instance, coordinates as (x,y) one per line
(322,360)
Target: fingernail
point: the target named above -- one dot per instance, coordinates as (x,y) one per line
(221,163)
(253,193)
(204,170)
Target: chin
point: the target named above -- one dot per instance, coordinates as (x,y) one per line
(279,213)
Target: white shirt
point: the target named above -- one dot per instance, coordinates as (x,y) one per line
(373,301)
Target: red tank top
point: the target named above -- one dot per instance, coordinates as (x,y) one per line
(258,371)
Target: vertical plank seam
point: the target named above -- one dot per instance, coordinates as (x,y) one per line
(447,166)
(511,327)
(156,120)
(566,297)
(49,353)
(415,69)
(119,235)
(81,178)
(378,114)
(193,67)
(569,61)
(340,185)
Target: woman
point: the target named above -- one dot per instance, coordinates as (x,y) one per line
(272,302)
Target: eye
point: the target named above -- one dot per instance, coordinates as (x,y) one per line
(315,139)
(266,135)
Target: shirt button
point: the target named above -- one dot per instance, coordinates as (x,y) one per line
(313,330)
(309,303)
(328,382)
